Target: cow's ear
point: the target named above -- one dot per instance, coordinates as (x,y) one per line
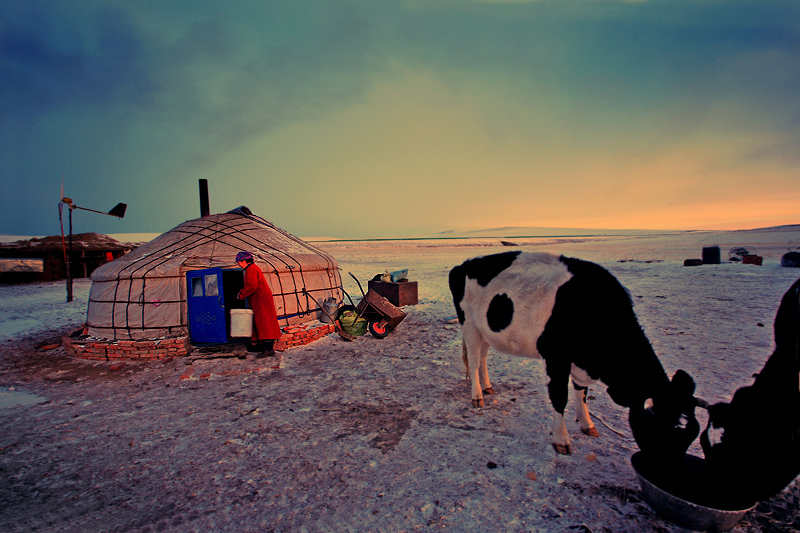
(683,381)
(648,406)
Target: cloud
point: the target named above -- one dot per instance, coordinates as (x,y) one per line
(543,97)
(47,64)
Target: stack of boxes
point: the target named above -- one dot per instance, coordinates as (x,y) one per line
(302,334)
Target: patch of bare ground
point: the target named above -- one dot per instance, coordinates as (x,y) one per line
(371,435)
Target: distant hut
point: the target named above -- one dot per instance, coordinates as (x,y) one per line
(185,281)
(42,259)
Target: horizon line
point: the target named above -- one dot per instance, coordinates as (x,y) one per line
(472,234)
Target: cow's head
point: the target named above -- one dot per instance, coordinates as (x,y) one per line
(665,425)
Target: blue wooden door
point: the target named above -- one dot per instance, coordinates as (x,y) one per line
(206,305)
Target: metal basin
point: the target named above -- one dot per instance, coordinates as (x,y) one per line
(681,511)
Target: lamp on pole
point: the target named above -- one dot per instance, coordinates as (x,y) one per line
(117,211)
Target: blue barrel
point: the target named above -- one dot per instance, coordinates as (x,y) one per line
(711,255)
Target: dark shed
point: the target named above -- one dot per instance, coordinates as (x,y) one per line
(47,254)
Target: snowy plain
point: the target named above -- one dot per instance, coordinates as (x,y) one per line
(372,435)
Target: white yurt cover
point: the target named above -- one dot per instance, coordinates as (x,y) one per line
(142,295)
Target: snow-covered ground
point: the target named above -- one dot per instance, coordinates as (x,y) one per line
(372,435)
(37,307)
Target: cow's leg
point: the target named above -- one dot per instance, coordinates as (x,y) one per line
(558,387)
(560,435)
(464,358)
(486,385)
(582,411)
(474,351)
(580,383)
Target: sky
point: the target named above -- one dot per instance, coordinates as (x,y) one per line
(371,118)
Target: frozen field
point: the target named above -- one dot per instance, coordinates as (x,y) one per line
(370,435)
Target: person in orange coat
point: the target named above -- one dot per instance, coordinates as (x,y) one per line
(265,319)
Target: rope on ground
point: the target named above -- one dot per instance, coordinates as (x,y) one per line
(621,434)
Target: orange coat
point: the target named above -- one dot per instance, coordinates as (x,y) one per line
(257,291)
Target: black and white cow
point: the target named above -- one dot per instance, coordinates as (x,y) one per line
(580,320)
(752,444)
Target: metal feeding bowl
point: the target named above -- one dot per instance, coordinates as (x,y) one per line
(676,509)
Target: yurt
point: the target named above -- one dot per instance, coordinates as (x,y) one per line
(186,280)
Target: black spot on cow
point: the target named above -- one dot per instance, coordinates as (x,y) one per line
(481,269)
(485,269)
(500,312)
(458,281)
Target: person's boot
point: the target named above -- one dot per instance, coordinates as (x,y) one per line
(268,350)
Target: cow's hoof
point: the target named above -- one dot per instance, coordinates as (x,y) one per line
(562,449)
(477,403)
(592,432)
(488,391)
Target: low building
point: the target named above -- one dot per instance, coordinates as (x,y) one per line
(44,259)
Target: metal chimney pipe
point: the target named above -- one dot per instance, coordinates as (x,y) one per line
(204,209)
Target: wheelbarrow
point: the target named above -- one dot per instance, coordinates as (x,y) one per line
(382,316)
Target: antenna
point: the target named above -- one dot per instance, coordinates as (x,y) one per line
(117,211)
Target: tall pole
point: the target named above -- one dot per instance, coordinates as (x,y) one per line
(69,258)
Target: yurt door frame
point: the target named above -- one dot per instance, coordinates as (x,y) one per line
(206,305)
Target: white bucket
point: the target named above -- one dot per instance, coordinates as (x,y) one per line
(241,322)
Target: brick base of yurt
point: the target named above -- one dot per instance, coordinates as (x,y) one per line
(152,350)
(149,350)
(302,334)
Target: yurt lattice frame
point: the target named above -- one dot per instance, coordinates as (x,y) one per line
(143,295)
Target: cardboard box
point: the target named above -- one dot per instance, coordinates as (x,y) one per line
(752,260)
(398,293)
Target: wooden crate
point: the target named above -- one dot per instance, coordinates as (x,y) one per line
(398,293)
